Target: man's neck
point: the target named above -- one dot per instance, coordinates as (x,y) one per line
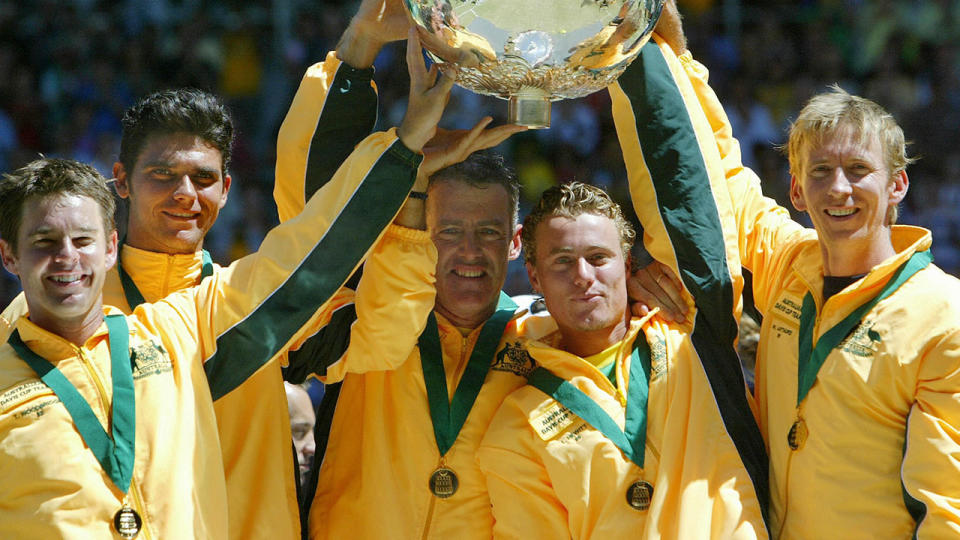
(466,321)
(135,241)
(584,343)
(76,332)
(853,259)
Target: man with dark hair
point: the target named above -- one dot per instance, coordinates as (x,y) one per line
(174,153)
(618,434)
(228,326)
(381,451)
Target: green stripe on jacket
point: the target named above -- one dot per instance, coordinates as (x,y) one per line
(690,214)
(259,337)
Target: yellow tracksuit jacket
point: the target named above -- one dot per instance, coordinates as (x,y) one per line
(880,458)
(196,343)
(261,486)
(551,478)
(381,452)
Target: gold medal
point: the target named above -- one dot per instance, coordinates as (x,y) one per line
(639,495)
(444,482)
(127,522)
(798,434)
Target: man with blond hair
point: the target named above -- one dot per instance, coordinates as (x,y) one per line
(858,367)
(618,434)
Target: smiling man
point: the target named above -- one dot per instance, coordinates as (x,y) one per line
(106,421)
(858,367)
(618,434)
(175,154)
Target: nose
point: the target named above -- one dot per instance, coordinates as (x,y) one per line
(310,447)
(583,273)
(185,191)
(66,252)
(470,245)
(840,184)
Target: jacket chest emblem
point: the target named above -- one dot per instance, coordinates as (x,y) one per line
(149,359)
(515,359)
(864,341)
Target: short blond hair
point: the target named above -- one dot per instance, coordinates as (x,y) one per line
(837,112)
(572,200)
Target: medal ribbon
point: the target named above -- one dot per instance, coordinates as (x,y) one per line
(812,358)
(632,439)
(114,454)
(448,417)
(132,293)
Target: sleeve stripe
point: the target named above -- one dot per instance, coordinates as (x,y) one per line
(263,332)
(691,218)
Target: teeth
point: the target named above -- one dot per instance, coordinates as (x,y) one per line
(66,279)
(181,215)
(469,273)
(841,213)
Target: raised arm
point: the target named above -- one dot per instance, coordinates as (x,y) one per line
(679,189)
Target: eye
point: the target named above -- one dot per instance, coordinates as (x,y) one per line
(161,173)
(490,233)
(204,178)
(598,259)
(83,240)
(820,170)
(448,232)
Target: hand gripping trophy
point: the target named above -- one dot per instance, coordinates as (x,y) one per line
(532,52)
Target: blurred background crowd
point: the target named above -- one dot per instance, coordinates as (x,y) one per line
(68,69)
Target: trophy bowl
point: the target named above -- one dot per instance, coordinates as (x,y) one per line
(532,52)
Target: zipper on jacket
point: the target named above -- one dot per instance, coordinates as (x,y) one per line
(102,394)
(138,505)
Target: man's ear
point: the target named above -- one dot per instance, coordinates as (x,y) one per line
(9,257)
(898,188)
(515,245)
(532,276)
(226,189)
(796,194)
(111,252)
(120,180)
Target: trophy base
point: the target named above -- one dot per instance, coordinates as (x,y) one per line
(530,107)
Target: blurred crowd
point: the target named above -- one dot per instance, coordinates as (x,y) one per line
(68,69)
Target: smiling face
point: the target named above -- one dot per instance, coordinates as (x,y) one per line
(62,256)
(848,190)
(473,230)
(176,190)
(581,271)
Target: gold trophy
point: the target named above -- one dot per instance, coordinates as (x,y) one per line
(533,52)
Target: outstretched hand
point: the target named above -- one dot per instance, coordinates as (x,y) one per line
(670,27)
(429,94)
(448,147)
(376,23)
(655,285)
